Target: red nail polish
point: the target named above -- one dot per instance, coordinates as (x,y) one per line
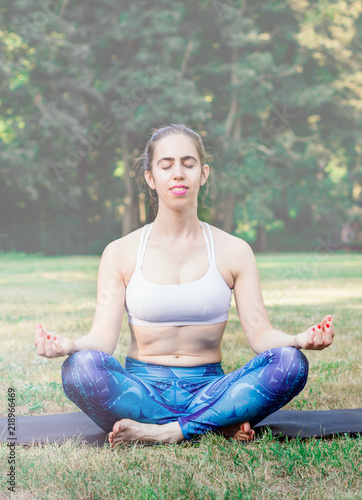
(313,329)
(55,338)
(41,335)
(319,326)
(48,337)
(38,326)
(329,318)
(327,325)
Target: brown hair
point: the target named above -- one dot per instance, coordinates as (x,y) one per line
(144,161)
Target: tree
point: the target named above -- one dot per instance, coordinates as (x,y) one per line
(273,88)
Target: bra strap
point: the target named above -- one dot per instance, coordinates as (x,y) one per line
(208,245)
(143,243)
(146,233)
(211,246)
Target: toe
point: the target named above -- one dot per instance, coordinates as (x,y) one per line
(116,428)
(246,427)
(241,437)
(117,441)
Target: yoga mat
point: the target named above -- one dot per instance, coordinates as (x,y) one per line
(292,423)
(316,423)
(55,428)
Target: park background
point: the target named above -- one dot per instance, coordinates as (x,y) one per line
(273,88)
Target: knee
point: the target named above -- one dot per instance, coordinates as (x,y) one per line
(293,361)
(79,364)
(296,356)
(87,358)
(67,374)
(289,353)
(76,359)
(299,365)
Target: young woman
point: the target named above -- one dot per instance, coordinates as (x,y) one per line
(175,279)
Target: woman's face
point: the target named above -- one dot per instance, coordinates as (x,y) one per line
(176,171)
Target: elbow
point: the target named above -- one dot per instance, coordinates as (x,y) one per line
(108,348)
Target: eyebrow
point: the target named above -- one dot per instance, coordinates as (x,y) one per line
(169,158)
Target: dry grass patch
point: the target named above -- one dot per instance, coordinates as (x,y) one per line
(298,290)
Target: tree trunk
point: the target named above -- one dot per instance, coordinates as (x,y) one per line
(228,222)
(260,244)
(131,218)
(225,200)
(82,169)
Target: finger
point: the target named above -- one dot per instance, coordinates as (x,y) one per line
(328,334)
(40,344)
(326,319)
(330,322)
(57,345)
(310,337)
(36,334)
(319,336)
(48,344)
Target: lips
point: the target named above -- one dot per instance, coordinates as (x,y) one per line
(179,189)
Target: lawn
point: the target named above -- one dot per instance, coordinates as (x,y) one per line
(299,289)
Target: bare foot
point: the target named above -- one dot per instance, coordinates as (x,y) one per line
(130,431)
(239,432)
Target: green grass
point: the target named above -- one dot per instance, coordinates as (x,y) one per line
(299,290)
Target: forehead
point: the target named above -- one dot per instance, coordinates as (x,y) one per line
(175,146)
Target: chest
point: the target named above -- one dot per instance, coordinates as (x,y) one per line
(174,263)
(167,263)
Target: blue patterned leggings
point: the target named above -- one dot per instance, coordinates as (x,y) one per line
(201,398)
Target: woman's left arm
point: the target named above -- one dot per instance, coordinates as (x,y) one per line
(253,316)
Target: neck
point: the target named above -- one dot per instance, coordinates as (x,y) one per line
(176,224)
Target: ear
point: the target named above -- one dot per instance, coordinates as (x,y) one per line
(149,179)
(205,174)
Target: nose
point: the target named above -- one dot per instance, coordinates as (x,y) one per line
(178,171)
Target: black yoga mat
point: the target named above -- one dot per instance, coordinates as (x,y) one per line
(292,423)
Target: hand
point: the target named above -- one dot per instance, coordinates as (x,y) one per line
(50,344)
(317,337)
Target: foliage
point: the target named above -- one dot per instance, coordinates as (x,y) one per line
(273,88)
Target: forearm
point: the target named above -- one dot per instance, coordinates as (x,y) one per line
(91,342)
(269,339)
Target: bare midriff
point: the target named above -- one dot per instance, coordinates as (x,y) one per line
(187,345)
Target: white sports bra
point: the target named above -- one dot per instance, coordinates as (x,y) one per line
(205,301)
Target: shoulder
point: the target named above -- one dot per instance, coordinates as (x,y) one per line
(233,243)
(125,243)
(232,250)
(122,252)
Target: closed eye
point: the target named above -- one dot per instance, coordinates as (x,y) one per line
(169,166)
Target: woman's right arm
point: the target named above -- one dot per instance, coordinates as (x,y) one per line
(107,321)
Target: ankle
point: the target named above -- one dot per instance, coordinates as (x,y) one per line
(173,433)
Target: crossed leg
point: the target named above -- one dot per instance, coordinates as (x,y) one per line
(249,394)
(229,404)
(241,399)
